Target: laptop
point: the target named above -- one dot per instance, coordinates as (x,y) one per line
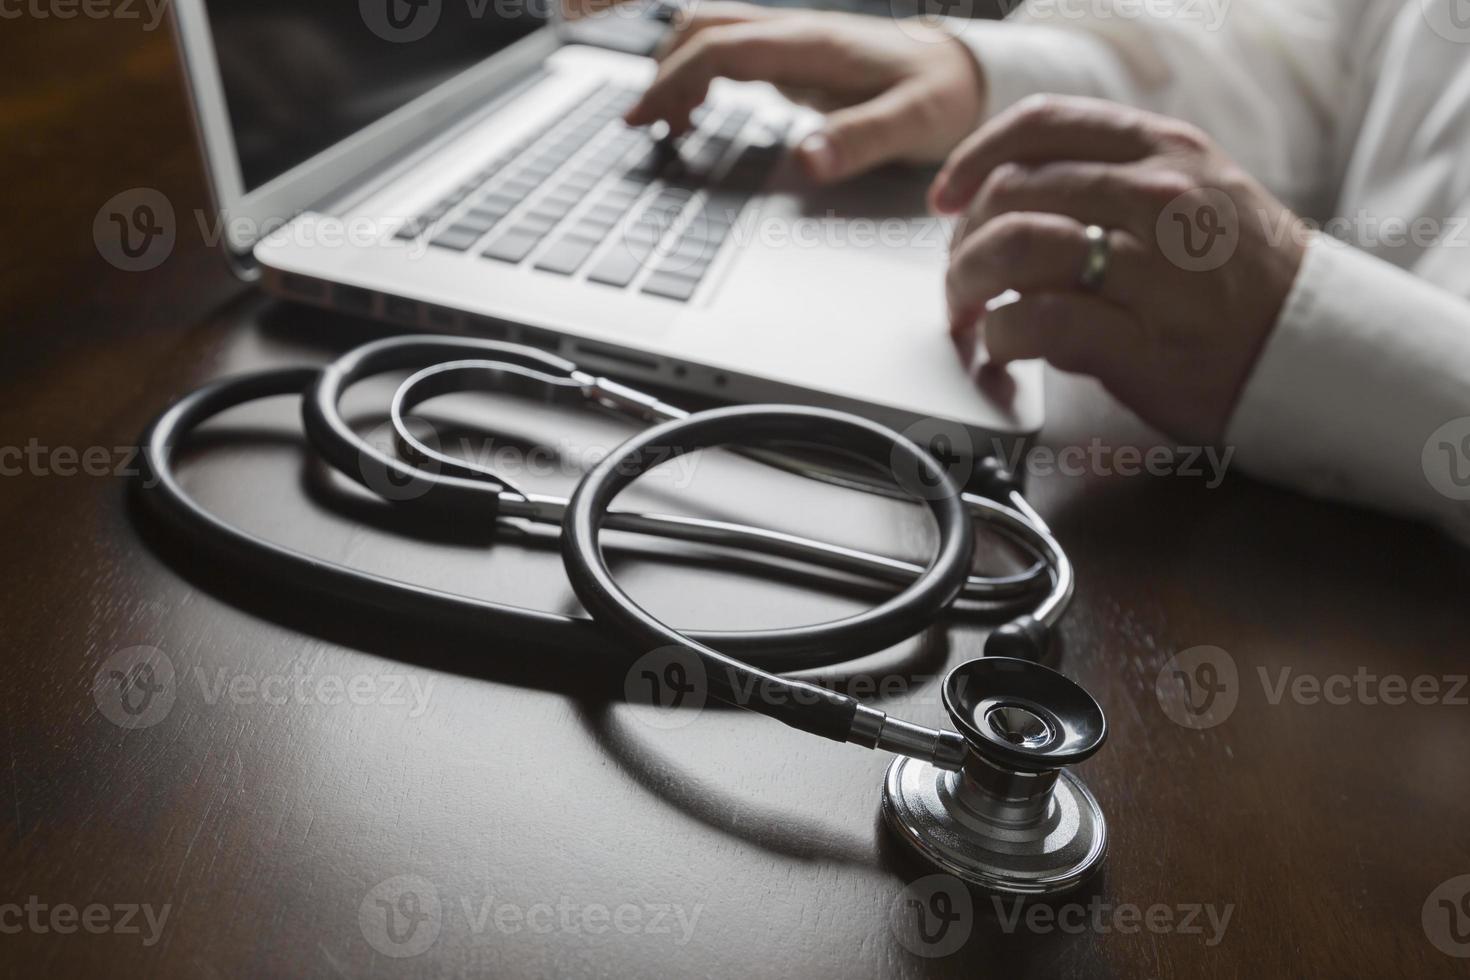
(460,166)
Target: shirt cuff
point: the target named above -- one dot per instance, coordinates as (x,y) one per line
(1021,59)
(1362,391)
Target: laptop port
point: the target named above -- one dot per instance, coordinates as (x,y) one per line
(354,300)
(303,286)
(397,308)
(614,356)
(537,337)
(484,326)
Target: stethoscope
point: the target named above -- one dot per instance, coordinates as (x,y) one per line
(990,803)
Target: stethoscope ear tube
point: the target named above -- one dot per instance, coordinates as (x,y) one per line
(797,704)
(404,482)
(162,494)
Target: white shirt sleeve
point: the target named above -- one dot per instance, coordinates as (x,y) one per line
(1353,111)
(1269,80)
(1363,390)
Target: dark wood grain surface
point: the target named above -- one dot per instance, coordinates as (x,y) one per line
(543,826)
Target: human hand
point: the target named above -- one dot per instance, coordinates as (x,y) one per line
(891,92)
(1202,257)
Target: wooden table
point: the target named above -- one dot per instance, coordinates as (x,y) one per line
(514,813)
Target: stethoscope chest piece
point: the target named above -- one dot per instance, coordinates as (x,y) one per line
(1012,821)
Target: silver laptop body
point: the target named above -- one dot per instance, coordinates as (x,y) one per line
(458,166)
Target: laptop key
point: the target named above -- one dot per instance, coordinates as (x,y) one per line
(606,155)
(591,228)
(723,208)
(665,210)
(653,162)
(477,221)
(606,213)
(563,194)
(457,237)
(690,268)
(544,215)
(631,188)
(553,208)
(712,229)
(411,229)
(519,186)
(534,224)
(616,197)
(580,181)
(645,231)
(540,169)
(492,215)
(616,268)
(513,246)
(670,286)
(588,231)
(565,256)
(694,247)
(502,203)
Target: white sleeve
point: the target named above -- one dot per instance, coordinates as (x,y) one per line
(1270,80)
(1362,392)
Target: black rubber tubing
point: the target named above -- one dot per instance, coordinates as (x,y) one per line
(800,705)
(309,576)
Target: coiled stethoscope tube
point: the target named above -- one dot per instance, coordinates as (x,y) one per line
(531,372)
(484,375)
(731,658)
(821,711)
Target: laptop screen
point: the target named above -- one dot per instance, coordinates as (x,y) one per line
(301,75)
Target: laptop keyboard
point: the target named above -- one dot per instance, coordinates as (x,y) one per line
(586,196)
